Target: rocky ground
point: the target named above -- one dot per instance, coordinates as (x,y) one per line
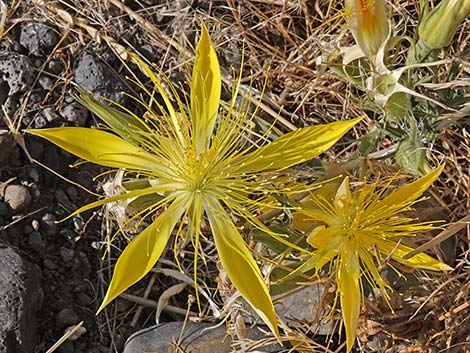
(52,276)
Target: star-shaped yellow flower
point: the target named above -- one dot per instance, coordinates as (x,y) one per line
(353,228)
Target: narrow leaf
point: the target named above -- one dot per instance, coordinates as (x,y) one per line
(122,123)
(139,257)
(240,265)
(295,147)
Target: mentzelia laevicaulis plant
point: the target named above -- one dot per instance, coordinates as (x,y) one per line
(194,165)
(353,228)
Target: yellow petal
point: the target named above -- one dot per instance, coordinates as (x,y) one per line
(347,278)
(294,147)
(420,260)
(240,265)
(205,89)
(368,22)
(412,191)
(99,147)
(139,257)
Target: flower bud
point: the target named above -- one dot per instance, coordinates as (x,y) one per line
(367,20)
(438,28)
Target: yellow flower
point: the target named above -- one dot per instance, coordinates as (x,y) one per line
(189,165)
(367,20)
(355,228)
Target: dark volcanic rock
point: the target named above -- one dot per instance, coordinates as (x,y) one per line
(66,317)
(38,38)
(6,145)
(75,114)
(20,296)
(92,75)
(17,71)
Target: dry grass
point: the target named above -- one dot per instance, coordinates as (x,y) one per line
(293,39)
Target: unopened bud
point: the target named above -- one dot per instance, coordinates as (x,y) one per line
(438,28)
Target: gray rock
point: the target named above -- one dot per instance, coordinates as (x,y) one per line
(196,337)
(38,38)
(36,243)
(6,145)
(17,71)
(76,114)
(303,307)
(92,75)
(20,297)
(66,317)
(49,264)
(17,197)
(46,83)
(50,114)
(66,254)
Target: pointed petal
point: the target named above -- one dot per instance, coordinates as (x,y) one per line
(420,260)
(98,147)
(205,88)
(412,191)
(295,147)
(139,257)
(347,278)
(240,265)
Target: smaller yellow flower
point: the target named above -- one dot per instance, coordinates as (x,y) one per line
(367,20)
(354,229)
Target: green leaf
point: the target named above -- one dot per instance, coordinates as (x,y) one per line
(128,195)
(99,147)
(294,147)
(139,257)
(240,266)
(205,89)
(126,125)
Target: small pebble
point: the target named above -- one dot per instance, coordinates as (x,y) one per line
(36,243)
(80,331)
(48,221)
(35,224)
(67,233)
(66,254)
(49,264)
(17,197)
(75,114)
(46,83)
(66,317)
(50,114)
